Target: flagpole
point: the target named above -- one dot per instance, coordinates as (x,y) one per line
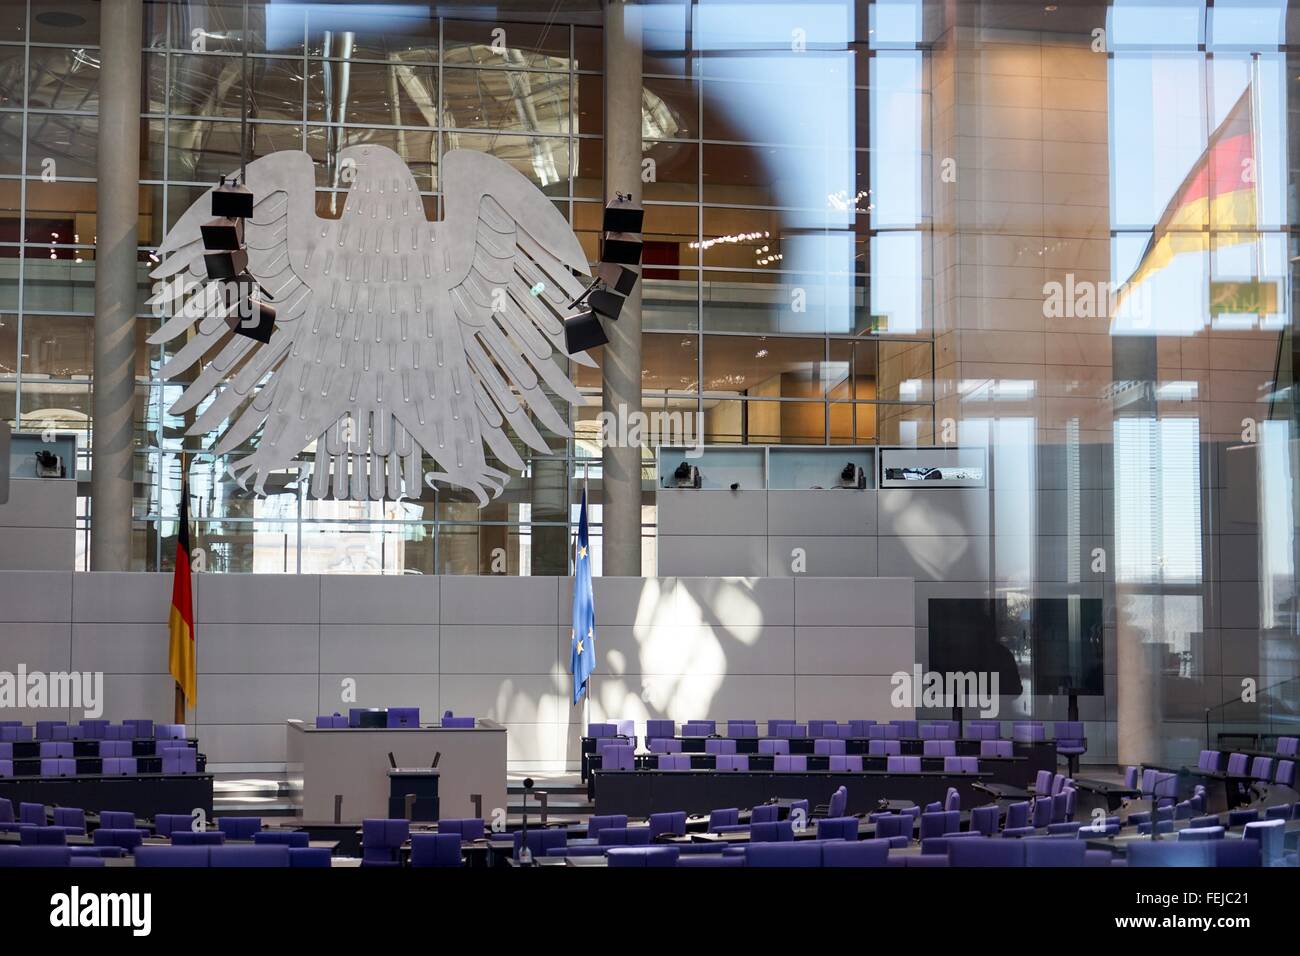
(178,706)
(586,691)
(1255,155)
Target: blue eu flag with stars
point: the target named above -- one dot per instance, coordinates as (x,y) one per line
(582,652)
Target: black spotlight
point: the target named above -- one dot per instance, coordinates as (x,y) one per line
(583,332)
(616,277)
(605,303)
(232,201)
(849,474)
(223,235)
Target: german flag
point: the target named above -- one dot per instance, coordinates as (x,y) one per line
(1217,199)
(180,624)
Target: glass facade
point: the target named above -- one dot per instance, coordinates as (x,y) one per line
(883,223)
(787,291)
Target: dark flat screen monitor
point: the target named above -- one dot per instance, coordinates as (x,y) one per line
(1053,643)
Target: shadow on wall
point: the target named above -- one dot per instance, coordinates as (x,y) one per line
(671,662)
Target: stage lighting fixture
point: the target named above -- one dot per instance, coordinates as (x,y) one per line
(226,265)
(583,332)
(621,248)
(616,277)
(222,235)
(251,316)
(232,201)
(605,303)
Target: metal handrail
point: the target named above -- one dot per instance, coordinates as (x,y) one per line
(1237,700)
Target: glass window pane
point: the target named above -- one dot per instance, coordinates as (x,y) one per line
(60,406)
(544,160)
(71,22)
(764,366)
(58,285)
(370,93)
(492,43)
(674,171)
(204,151)
(506,101)
(62,346)
(63,79)
(370,32)
(12,76)
(765,423)
(670,363)
(903,424)
(757,301)
(906,372)
(213,86)
(65,210)
(70,142)
(670,303)
(8,343)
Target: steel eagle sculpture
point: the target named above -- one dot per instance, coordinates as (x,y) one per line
(394,335)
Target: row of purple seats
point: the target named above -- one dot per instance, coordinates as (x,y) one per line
(231,856)
(1262,769)
(619,728)
(46,856)
(15,731)
(1069,735)
(102,748)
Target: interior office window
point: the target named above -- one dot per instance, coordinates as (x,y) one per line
(905,371)
(675,170)
(764,366)
(907,425)
(1157,500)
(57,285)
(670,366)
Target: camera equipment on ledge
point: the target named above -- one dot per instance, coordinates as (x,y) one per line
(49,465)
(851,476)
(687,475)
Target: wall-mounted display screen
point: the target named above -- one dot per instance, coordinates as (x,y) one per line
(1034,645)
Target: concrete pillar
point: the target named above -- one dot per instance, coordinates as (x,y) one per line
(549,493)
(621,384)
(1139,650)
(118,212)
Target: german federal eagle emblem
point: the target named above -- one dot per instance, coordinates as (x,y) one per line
(394,336)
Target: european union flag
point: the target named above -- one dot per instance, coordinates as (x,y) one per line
(582,652)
